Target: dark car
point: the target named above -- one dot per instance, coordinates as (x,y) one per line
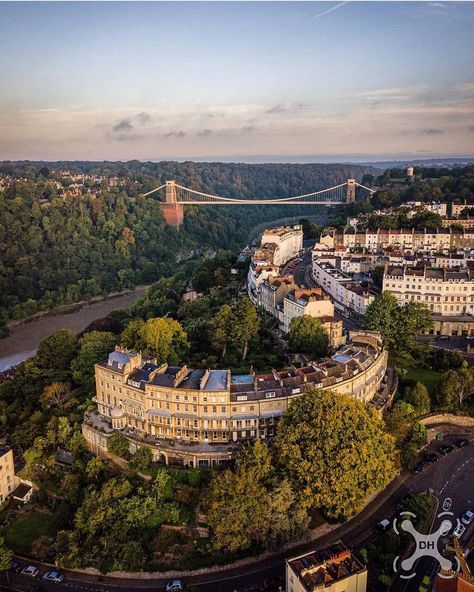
(271,584)
(446,449)
(16,567)
(462,442)
(430,458)
(418,468)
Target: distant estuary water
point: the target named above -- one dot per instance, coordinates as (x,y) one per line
(25,338)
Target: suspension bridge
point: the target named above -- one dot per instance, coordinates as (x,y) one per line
(177,196)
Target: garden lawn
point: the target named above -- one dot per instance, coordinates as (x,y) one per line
(26,528)
(428,377)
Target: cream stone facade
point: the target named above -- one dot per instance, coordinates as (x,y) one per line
(194,417)
(277,246)
(272,292)
(288,241)
(377,241)
(299,302)
(346,294)
(446,291)
(8,480)
(332,569)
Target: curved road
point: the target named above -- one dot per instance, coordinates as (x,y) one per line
(451,476)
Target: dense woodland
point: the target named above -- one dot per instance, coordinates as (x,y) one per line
(57,251)
(430,184)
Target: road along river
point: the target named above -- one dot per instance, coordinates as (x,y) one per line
(24,338)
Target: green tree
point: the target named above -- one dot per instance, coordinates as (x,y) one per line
(334,450)
(412,319)
(399,421)
(55,394)
(245,323)
(56,352)
(399,325)
(6,558)
(131,336)
(119,445)
(165,339)
(142,459)
(381,316)
(221,329)
(418,397)
(265,509)
(308,336)
(455,386)
(93,347)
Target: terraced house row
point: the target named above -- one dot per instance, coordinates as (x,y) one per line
(196,417)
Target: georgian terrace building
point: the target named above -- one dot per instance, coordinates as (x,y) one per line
(448,293)
(428,240)
(277,246)
(196,417)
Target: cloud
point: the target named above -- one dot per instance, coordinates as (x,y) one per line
(179,134)
(431,131)
(280,108)
(328,11)
(125,125)
(471,128)
(276,109)
(126,137)
(143,117)
(248,129)
(205,133)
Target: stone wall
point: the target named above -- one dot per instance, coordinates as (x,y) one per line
(448,418)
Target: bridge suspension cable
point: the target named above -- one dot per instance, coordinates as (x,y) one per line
(179,194)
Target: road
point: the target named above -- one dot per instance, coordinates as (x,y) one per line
(450,477)
(303,277)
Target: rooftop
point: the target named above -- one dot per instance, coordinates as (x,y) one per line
(321,568)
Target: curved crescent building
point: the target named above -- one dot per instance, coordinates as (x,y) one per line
(195,417)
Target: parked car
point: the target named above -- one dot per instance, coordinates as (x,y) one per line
(53,576)
(445,449)
(271,584)
(16,567)
(425,584)
(30,570)
(462,442)
(430,458)
(467,517)
(418,468)
(174,586)
(459,530)
(383,525)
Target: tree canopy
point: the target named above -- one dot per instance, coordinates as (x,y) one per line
(308,336)
(265,509)
(399,325)
(334,450)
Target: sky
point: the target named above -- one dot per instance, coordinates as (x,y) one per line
(236,80)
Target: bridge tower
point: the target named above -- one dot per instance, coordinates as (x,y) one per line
(173,211)
(351,190)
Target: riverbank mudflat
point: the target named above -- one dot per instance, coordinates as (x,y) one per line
(25,336)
